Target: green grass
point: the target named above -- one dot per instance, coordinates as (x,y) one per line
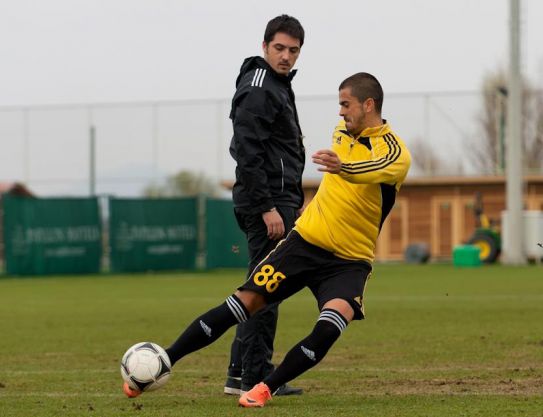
(437,341)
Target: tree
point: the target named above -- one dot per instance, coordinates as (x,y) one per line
(183,184)
(488,149)
(426,161)
(534,135)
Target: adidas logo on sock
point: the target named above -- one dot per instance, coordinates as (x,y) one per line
(309,353)
(205,328)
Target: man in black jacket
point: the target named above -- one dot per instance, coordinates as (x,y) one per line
(267,146)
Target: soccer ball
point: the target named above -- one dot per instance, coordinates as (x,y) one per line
(145,366)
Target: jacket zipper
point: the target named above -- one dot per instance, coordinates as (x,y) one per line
(282,175)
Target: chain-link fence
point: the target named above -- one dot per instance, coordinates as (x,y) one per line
(139,144)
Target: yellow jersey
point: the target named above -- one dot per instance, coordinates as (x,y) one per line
(348,211)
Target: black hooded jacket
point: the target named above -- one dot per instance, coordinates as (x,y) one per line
(267,142)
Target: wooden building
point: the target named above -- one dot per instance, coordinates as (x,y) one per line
(439,211)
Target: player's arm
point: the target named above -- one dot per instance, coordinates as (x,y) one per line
(390,163)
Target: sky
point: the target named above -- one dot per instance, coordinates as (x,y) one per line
(97,51)
(64,51)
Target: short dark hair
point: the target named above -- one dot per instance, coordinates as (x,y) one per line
(284,24)
(364,86)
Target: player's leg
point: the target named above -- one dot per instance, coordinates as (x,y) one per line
(312,349)
(211,325)
(339,292)
(305,354)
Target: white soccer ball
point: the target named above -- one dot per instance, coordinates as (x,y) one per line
(145,366)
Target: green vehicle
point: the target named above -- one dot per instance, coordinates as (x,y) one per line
(487,235)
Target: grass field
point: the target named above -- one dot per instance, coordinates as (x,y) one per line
(437,341)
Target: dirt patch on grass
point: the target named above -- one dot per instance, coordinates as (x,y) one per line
(467,385)
(528,382)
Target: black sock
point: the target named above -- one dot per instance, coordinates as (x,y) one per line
(309,351)
(208,327)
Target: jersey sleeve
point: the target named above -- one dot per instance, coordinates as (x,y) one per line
(253,117)
(389,164)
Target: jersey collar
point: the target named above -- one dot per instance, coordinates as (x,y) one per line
(367,132)
(376,131)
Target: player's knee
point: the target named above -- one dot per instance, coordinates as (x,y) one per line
(332,323)
(329,327)
(342,307)
(252,301)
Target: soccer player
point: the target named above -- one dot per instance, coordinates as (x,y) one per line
(270,158)
(331,248)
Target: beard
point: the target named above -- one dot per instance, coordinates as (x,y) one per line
(356,126)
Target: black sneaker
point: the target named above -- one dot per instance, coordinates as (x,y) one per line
(232,386)
(288,390)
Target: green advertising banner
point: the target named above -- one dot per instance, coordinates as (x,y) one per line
(52,235)
(226,244)
(152,234)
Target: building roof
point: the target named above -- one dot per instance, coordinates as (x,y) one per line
(438,181)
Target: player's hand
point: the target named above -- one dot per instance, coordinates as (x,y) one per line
(274,223)
(328,159)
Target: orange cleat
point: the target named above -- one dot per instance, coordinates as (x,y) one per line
(130,392)
(256,397)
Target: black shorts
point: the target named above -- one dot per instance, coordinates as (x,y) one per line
(295,264)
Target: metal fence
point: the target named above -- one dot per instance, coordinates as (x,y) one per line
(138,144)
(51,236)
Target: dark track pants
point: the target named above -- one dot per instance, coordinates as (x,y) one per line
(252,349)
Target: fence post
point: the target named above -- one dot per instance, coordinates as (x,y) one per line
(201,251)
